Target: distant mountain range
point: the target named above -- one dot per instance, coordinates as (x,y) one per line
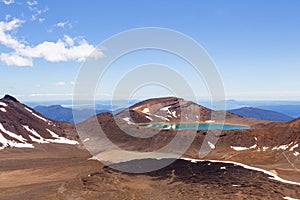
(261,114)
(59,113)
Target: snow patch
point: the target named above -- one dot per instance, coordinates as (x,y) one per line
(149,118)
(38,138)
(210,121)
(3,109)
(282,147)
(265,148)
(127,119)
(3,104)
(239,148)
(161,117)
(289,198)
(8,143)
(59,139)
(296,153)
(174,113)
(255,138)
(36,115)
(294,147)
(223,168)
(86,139)
(146,111)
(271,175)
(211,145)
(166,108)
(243,148)
(11,134)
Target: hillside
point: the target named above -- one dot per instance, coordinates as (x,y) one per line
(39,157)
(268,145)
(20,126)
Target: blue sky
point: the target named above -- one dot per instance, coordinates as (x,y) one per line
(254,44)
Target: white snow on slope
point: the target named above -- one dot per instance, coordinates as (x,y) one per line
(296,153)
(127,119)
(60,139)
(149,118)
(166,108)
(239,148)
(9,143)
(243,148)
(33,132)
(211,145)
(289,198)
(265,148)
(161,117)
(11,134)
(3,104)
(146,111)
(3,109)
(271,175)
(36,115)
(282,147)
(294,147)
(174,113)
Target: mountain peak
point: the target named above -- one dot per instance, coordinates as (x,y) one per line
(10,98)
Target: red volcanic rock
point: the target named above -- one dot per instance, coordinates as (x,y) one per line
(21,126)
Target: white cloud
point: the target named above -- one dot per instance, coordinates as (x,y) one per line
(32,3)
(63,24)
(7,17)
(49,95)
(41,19)
(65,49)
(7,2)
(37,13)
(16,60)
(60,83)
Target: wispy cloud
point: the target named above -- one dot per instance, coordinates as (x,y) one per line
(63,24)
(32,3)
(60,83)
(64,49)
(7,17)
(7,2)
(37,13)
(50,95)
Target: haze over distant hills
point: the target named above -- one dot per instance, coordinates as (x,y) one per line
(261,114)
(59,113)
(270,110)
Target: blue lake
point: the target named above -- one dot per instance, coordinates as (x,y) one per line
(196,126)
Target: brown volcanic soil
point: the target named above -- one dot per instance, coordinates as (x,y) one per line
(63,172)
(42,172)
(184,112)
(57,171)
(282,161)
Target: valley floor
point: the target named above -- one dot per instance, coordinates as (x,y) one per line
(52,171)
